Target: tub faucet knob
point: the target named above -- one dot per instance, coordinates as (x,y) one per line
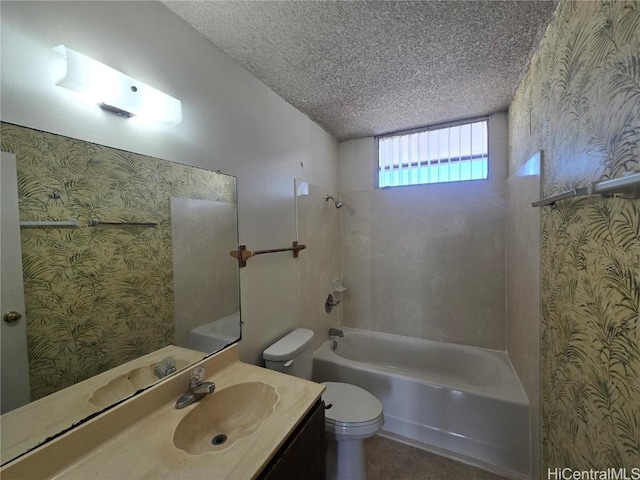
(330,303)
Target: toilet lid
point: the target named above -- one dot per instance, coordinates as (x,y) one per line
(350,404)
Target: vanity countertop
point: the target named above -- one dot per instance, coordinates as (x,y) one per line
(144,447)
(29,425)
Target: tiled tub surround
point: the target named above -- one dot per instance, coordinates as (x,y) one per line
(523,290)
(425,261)
(318,223)
(460,401)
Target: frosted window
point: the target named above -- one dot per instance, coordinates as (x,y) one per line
(435,155)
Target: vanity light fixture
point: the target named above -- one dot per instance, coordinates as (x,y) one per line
(116,92)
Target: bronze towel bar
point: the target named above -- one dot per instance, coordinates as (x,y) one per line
(242,254)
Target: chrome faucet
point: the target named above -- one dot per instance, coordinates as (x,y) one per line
(165,367)
(198,389)
(336,332)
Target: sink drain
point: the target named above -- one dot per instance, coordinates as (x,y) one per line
(219,439)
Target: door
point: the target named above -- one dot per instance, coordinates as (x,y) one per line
(13,330)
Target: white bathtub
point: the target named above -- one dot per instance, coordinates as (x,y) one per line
(463,402)
(213,336)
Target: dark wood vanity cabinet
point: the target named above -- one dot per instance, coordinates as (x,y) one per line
(303,454)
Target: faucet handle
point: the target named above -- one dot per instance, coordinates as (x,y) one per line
(330,303)
(197,376)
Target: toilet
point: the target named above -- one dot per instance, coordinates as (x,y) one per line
(351,413)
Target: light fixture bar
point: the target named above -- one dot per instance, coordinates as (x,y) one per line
(116,92)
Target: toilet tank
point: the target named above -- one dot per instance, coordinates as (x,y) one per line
(292,354)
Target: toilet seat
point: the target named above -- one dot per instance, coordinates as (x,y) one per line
(351,410)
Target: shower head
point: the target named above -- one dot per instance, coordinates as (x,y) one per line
(337,203)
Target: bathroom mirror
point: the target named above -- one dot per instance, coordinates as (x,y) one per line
(141,263)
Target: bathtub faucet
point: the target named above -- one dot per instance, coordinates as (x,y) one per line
(336,332)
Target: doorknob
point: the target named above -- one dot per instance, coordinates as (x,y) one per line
(11,317)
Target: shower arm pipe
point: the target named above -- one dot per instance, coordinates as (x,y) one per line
(242,254)
(337,203)
(627,185)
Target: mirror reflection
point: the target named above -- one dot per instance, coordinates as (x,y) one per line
(142,272)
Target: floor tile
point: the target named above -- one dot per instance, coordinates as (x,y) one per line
(390,460)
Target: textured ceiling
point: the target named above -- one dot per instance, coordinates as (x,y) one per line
(362,68)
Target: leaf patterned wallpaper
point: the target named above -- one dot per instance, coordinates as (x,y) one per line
(97,297)
(580,103)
